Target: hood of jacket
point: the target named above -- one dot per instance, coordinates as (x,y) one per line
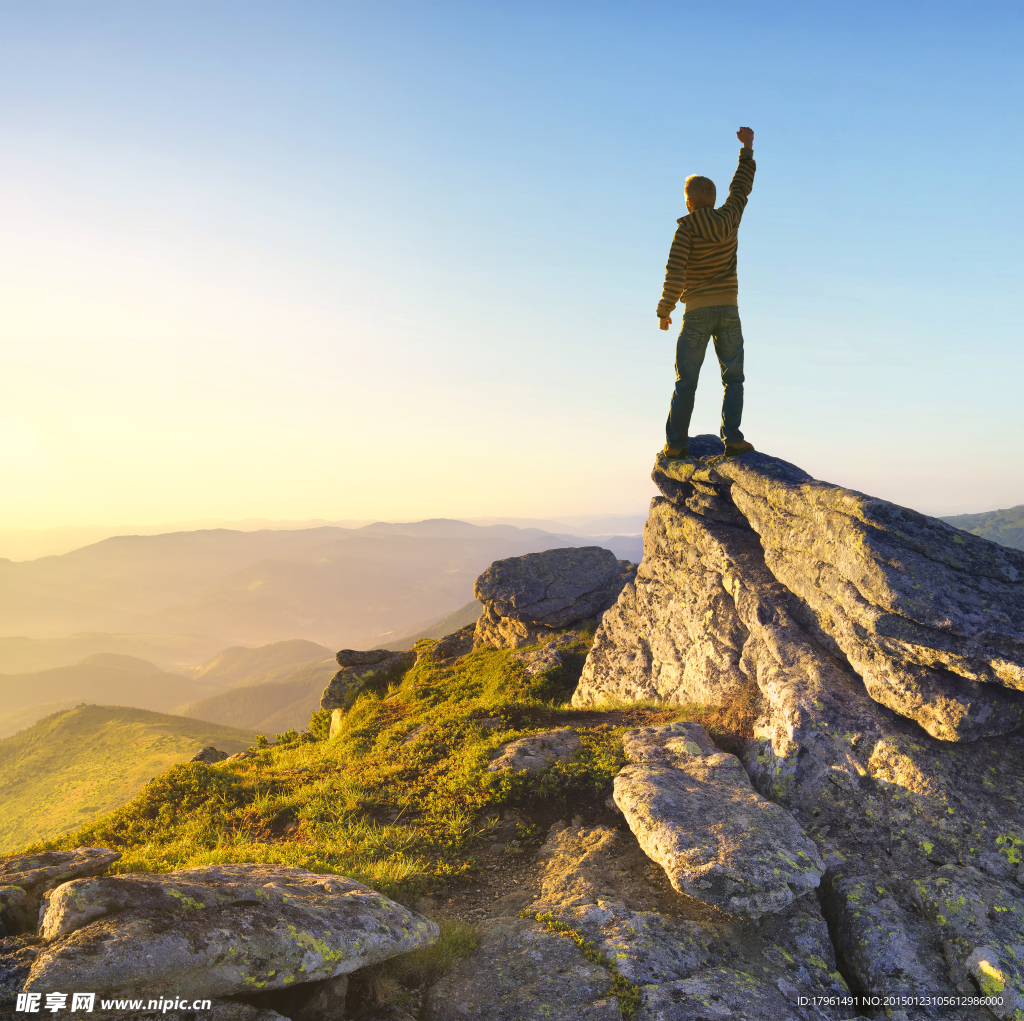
(708,224)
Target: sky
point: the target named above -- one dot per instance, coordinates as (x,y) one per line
(394,260)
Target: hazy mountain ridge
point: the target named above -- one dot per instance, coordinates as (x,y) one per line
(107,678)
(174,653)
(1003,526)
(331,585)
(242,665)
(270,707)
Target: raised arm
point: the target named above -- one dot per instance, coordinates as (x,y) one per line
(743,179)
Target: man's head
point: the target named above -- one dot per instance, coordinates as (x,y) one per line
(700,193)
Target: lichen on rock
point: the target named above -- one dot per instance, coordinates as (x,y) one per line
(695,812)
(218,931)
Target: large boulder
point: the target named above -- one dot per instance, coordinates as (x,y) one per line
(358,669)
(881,715)
(26,879)
(528,599)
(217,931)
(930,617)
(695,812)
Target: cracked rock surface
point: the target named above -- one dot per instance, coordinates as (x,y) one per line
(357,670)
(689,961)
(695,812)
(537,752)
(883,650)
(26,879)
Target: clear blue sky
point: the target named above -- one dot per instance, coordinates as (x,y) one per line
(401,259)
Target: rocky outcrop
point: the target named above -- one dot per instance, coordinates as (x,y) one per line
(683,961)
(537,752)
(26,881)
(209,755)
(359,669)
(217,931)
(931,618)
(885,651)
(528,599)
(452,646)
(695,813)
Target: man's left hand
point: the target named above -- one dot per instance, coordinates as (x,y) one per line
(665,323)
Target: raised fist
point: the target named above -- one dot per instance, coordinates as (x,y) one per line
(746,137)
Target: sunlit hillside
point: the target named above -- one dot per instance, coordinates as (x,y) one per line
(77,765)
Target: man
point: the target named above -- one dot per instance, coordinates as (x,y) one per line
(701,271)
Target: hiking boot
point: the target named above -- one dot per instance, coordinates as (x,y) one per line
(735,449)
(675,453)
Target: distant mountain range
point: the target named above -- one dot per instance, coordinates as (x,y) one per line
(103,677)
(354,587)
(1002,526)
(76,765)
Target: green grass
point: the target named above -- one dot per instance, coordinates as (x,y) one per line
(77,765)
(397,799)
(401,795)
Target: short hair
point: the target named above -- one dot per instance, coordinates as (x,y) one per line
(700,191)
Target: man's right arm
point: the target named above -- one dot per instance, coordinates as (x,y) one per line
(743,179)
(675,273)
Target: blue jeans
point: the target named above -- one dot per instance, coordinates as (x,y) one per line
(723,323)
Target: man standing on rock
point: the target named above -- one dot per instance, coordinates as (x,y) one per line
(702,272)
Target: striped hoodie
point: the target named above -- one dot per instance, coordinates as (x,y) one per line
(701,266)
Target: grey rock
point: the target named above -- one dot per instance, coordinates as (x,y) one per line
(931,617)
(16,956)
(992,975)
(231,1010)
(596,881)
(880,941)
(359,669)
(218,930)
(537,752)
(523,970)
(694,811)
(539,660)
(209,755)
(36,874)
(527,599)
(452,646)
(711,616)
(722,992)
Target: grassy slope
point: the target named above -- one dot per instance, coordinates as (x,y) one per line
(1003,526)
(401,795)
(268,708)
(77,765)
